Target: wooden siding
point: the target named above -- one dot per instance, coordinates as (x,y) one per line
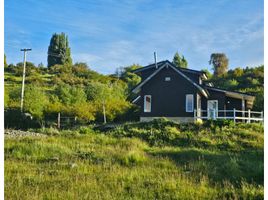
(168,97)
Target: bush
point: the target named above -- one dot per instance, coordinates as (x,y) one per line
(49,131)
(86,130)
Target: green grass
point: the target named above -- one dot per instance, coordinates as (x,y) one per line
(128,163)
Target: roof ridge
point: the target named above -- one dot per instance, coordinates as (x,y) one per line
(174,68)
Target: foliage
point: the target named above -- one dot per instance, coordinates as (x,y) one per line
(179,61)
(220,63)
(100,166)
(247,80)
(112,97)
(35,101)
(128,76)
(59,51)
(5,61)
(6,98)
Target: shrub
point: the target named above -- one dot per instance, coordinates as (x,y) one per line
(86,130)
(49,131)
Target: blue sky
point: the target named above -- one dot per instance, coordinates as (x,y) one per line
(107,34)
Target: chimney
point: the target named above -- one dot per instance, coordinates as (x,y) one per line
(155,60)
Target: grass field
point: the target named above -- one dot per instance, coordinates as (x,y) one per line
(157,160)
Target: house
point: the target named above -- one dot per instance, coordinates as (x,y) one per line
(181,95)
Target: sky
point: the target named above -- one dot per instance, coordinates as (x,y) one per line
(107,34)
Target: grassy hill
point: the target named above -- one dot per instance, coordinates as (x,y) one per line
(156,160)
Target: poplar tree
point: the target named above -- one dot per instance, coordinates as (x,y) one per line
(220,63)
(59,51)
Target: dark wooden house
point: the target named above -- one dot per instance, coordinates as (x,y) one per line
(181,95)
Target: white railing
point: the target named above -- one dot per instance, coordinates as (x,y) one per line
(235,115)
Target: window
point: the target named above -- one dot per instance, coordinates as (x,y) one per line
(147,103)
(189,103)
(167,78)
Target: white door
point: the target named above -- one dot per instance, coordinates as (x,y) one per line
(212,109)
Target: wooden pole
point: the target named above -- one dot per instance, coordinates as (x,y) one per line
(58,121)
(248,115)
(234,115)
(104,113)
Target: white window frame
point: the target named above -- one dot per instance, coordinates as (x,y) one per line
(186,102)
(145,106)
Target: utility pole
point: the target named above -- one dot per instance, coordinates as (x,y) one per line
(23,77)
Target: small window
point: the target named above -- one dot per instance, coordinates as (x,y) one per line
(189,103)
(147,103)
(167,79)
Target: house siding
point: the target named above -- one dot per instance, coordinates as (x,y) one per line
(224,103)
(168,97)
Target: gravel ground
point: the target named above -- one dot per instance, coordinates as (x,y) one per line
(10,133)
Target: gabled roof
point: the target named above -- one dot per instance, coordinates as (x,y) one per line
(151,66)
(171,65)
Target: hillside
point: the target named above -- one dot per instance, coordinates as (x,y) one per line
(157,160)
(72,90)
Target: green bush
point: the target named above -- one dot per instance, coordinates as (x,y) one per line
(86,130)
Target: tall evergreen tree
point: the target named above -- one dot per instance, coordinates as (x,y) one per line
(179,61)
(220,63)
(5,60)
(59,51)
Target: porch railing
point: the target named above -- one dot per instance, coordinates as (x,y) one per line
(247,116)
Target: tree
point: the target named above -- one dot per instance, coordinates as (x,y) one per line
(59,51)
(35,102)
(179,61)
(220,63)
(128,76)
(5,61)
(109,99)
(238,72)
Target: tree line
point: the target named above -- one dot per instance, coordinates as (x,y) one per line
(77,90)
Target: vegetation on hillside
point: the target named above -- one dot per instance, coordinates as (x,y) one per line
(156,160)
(75,90)
(247,80)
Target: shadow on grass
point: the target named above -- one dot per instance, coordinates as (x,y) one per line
(218,166)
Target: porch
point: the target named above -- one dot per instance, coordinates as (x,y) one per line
(235,115)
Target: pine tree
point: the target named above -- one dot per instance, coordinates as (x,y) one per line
(179,62)
(5,60)
(59,51)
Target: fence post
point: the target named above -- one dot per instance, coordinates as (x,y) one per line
(262,116)
(248,115)
(234,115)
(214,114)
(58,121)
